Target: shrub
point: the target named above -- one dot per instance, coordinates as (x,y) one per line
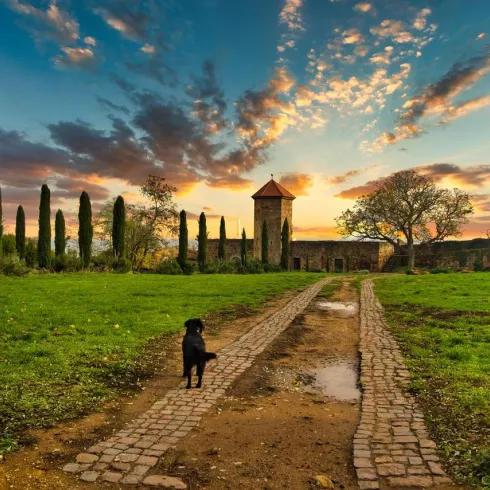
(122,265)
(439,270)
(253,266)
(59,263)
(268,267)
(478,265)
(13,266)
(102,262)
(227,267)
(188,267)
(31,253)
(170,267)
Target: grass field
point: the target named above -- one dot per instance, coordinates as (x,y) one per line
(443,325)
(67,341)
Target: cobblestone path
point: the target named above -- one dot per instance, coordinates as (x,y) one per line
(130,455)
(391,446)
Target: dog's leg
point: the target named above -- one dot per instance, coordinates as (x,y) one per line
(200,372)
(189,379)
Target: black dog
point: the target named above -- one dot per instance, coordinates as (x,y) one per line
(194,351)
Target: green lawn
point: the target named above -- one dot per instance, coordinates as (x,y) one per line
(66,341)
(443,325)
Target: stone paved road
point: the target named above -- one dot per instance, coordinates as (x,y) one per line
(391,445)
(129,456)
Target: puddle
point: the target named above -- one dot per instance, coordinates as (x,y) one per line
(346,310)
(337,380)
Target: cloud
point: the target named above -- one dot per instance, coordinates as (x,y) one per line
(358,191)
(315,231)
(297,183)
(421,19)
(472,176)
(363,7)
(148,48)
(341,178)
(394,29)
(437,99)
(465,108)
(52,24)
(132,20)
(352,36)
(209,99)
(291,16)
(83,58)
(90,40)
(110,106)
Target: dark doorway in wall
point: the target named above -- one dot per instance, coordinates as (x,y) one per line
(338,265)
(297,263)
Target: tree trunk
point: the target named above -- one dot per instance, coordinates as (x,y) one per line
(411,256)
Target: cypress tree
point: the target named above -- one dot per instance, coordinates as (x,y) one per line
(202,243)
(265,243)
(1,224)
(285,245)
(118,227)
(243,248)
(222,240)
(85,229)
(44,237)
(183,239)
(20,232)
(59,234)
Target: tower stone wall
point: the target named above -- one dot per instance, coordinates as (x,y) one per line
(274,210)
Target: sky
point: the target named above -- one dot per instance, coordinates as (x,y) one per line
(217,95)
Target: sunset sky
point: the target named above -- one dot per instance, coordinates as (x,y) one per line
(215,95)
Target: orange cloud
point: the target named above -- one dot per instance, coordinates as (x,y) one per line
(297,183)
(320,232)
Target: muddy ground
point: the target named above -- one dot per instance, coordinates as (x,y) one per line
(37,466)
(274,430)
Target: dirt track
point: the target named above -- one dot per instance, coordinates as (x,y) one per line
(270,431)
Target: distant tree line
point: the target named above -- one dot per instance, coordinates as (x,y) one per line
(130,236)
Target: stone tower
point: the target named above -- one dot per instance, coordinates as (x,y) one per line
(273,204)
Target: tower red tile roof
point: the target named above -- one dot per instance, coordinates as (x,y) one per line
(273,189)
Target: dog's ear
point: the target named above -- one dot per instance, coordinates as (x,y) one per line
(187,323)
(201,324)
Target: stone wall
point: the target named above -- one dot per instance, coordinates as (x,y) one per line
(232,248)
(343,256)
(453,254)
(274,211)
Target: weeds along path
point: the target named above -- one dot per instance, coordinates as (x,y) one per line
(130,457)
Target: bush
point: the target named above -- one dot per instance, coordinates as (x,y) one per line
(103,262)
(439,270)
(225,267)
(72,262)
(272,267)
(122,265)
(170,267)
(59,263)
(210,267)
(188,267)
(13,266)
(478,265)
(253,267)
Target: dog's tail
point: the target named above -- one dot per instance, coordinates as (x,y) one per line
(210,355)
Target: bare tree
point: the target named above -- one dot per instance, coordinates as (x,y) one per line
(407,206)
